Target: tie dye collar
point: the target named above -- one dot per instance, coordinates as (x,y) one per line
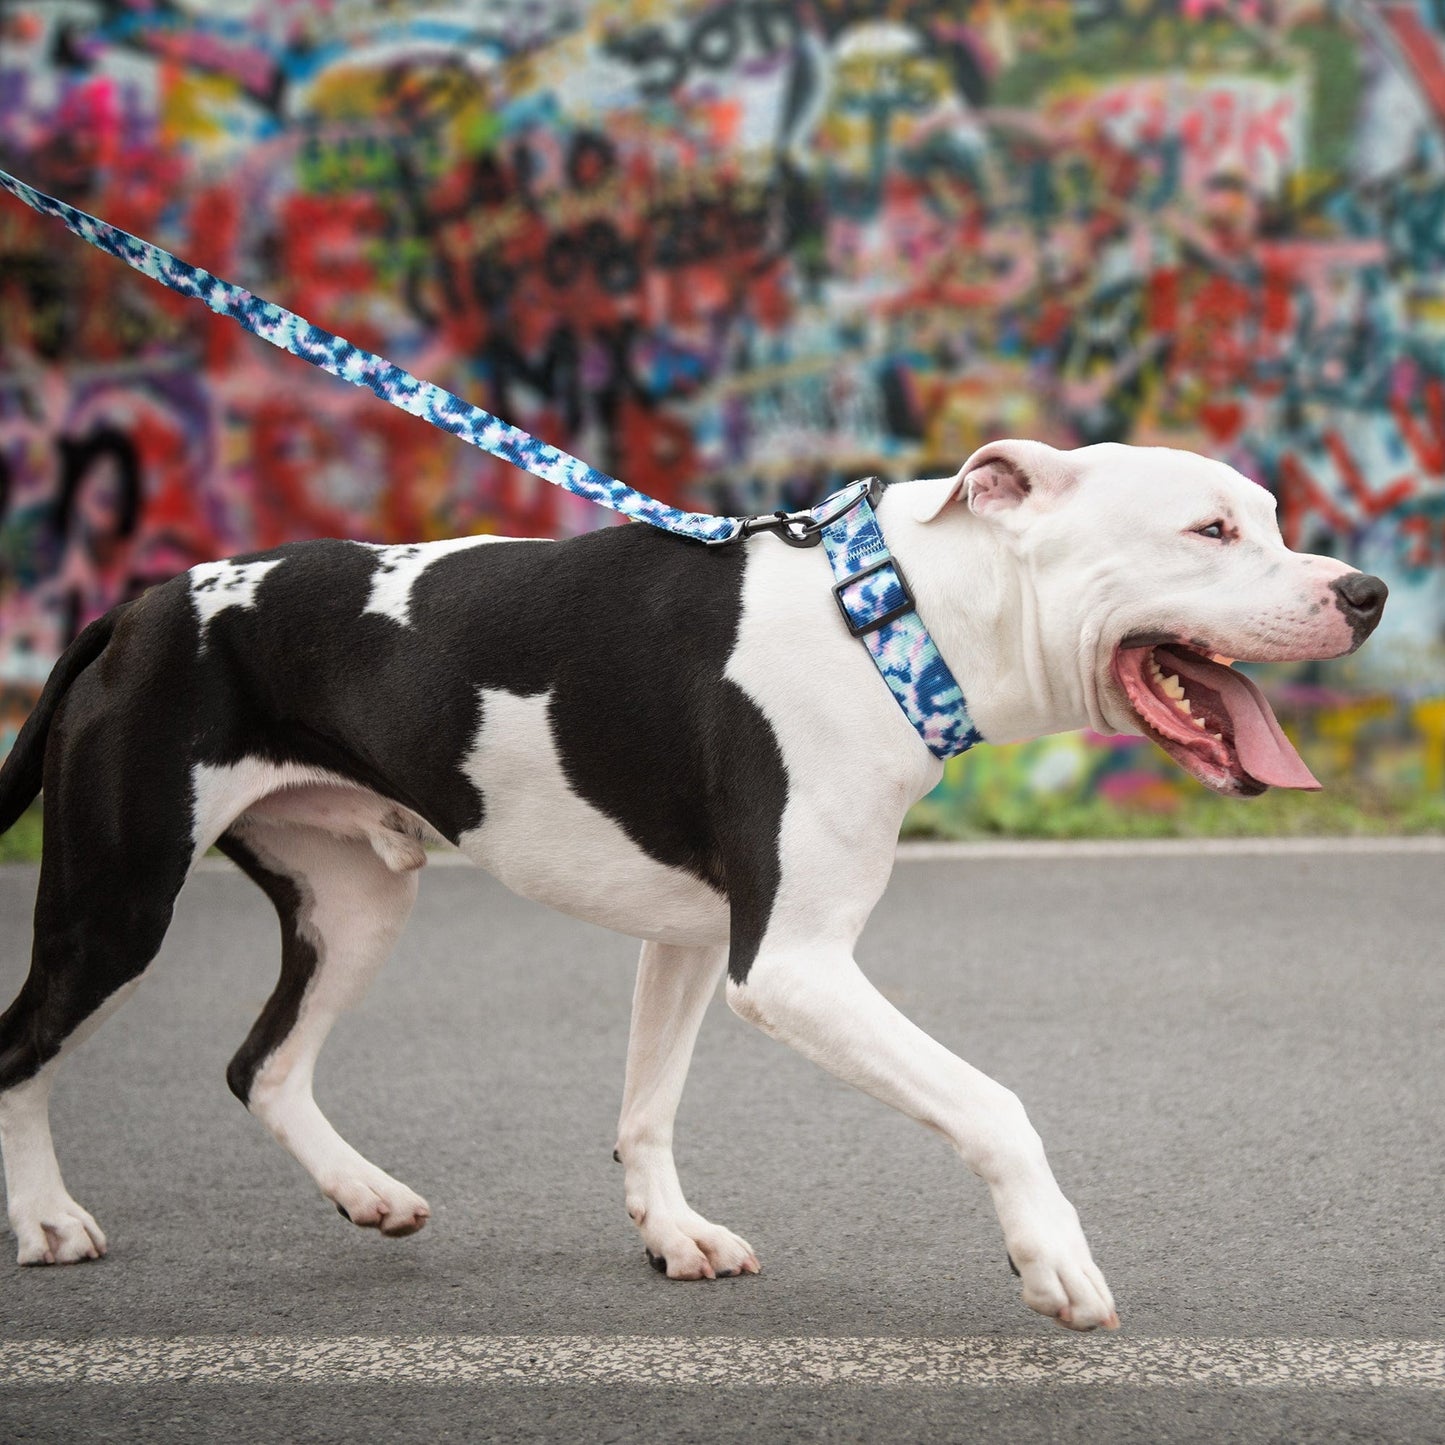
(878,608)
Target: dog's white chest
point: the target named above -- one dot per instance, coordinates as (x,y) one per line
(547,843)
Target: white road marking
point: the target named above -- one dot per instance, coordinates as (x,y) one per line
(726,1360)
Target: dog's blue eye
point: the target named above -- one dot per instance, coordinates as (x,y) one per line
(1214,531)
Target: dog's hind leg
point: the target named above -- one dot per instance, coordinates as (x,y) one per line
(102,908)
(50,1227)
(341,910)
(673,988)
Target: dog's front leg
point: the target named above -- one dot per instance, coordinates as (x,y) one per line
(816,999)
(674,986)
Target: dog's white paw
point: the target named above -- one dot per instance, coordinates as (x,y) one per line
(375,1200)
(686,1246)
(55,1231)
(1059,1276)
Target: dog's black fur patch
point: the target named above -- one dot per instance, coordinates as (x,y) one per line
(628,629)
(117,825)
(298,965)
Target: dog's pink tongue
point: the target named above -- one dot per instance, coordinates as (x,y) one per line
(1264,751)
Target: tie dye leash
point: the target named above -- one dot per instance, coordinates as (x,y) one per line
(424,399)
(870,588)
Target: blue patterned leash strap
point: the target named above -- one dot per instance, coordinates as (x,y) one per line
(871,590)
(878,607)
(391,383)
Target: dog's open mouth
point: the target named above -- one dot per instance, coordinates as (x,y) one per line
(1212,720)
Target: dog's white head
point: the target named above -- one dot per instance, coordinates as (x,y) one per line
(1136,574)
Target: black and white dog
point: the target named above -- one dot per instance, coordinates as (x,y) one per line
(678,742)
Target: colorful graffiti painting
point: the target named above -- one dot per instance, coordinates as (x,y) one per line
(736,252)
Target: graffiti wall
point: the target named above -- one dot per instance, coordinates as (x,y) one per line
(732,252)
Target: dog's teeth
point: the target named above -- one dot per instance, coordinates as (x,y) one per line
(1198,722)
(1218,737)
(1184,705)
(1173,686)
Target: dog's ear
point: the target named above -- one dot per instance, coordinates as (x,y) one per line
(998,477)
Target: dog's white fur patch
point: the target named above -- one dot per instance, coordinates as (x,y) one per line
(546,843)
(398,568)
(216,586)
(219,795)
(291,794)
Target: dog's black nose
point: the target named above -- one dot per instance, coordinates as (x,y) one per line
(1362,599)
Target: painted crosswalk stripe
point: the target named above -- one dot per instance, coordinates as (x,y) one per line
(724,1360)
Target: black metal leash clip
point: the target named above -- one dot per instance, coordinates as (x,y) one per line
(798,529)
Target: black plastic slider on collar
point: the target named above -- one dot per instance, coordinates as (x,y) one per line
(885,613)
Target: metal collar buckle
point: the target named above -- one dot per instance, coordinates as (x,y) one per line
(797,529)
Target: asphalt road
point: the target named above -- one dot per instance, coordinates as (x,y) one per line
(1236,1063)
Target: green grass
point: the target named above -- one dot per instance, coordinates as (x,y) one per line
(22,843)
(1343,809)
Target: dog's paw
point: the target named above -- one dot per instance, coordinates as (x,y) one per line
(377,1201)
(58,1231)
(688,1247)
(1060,1279)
